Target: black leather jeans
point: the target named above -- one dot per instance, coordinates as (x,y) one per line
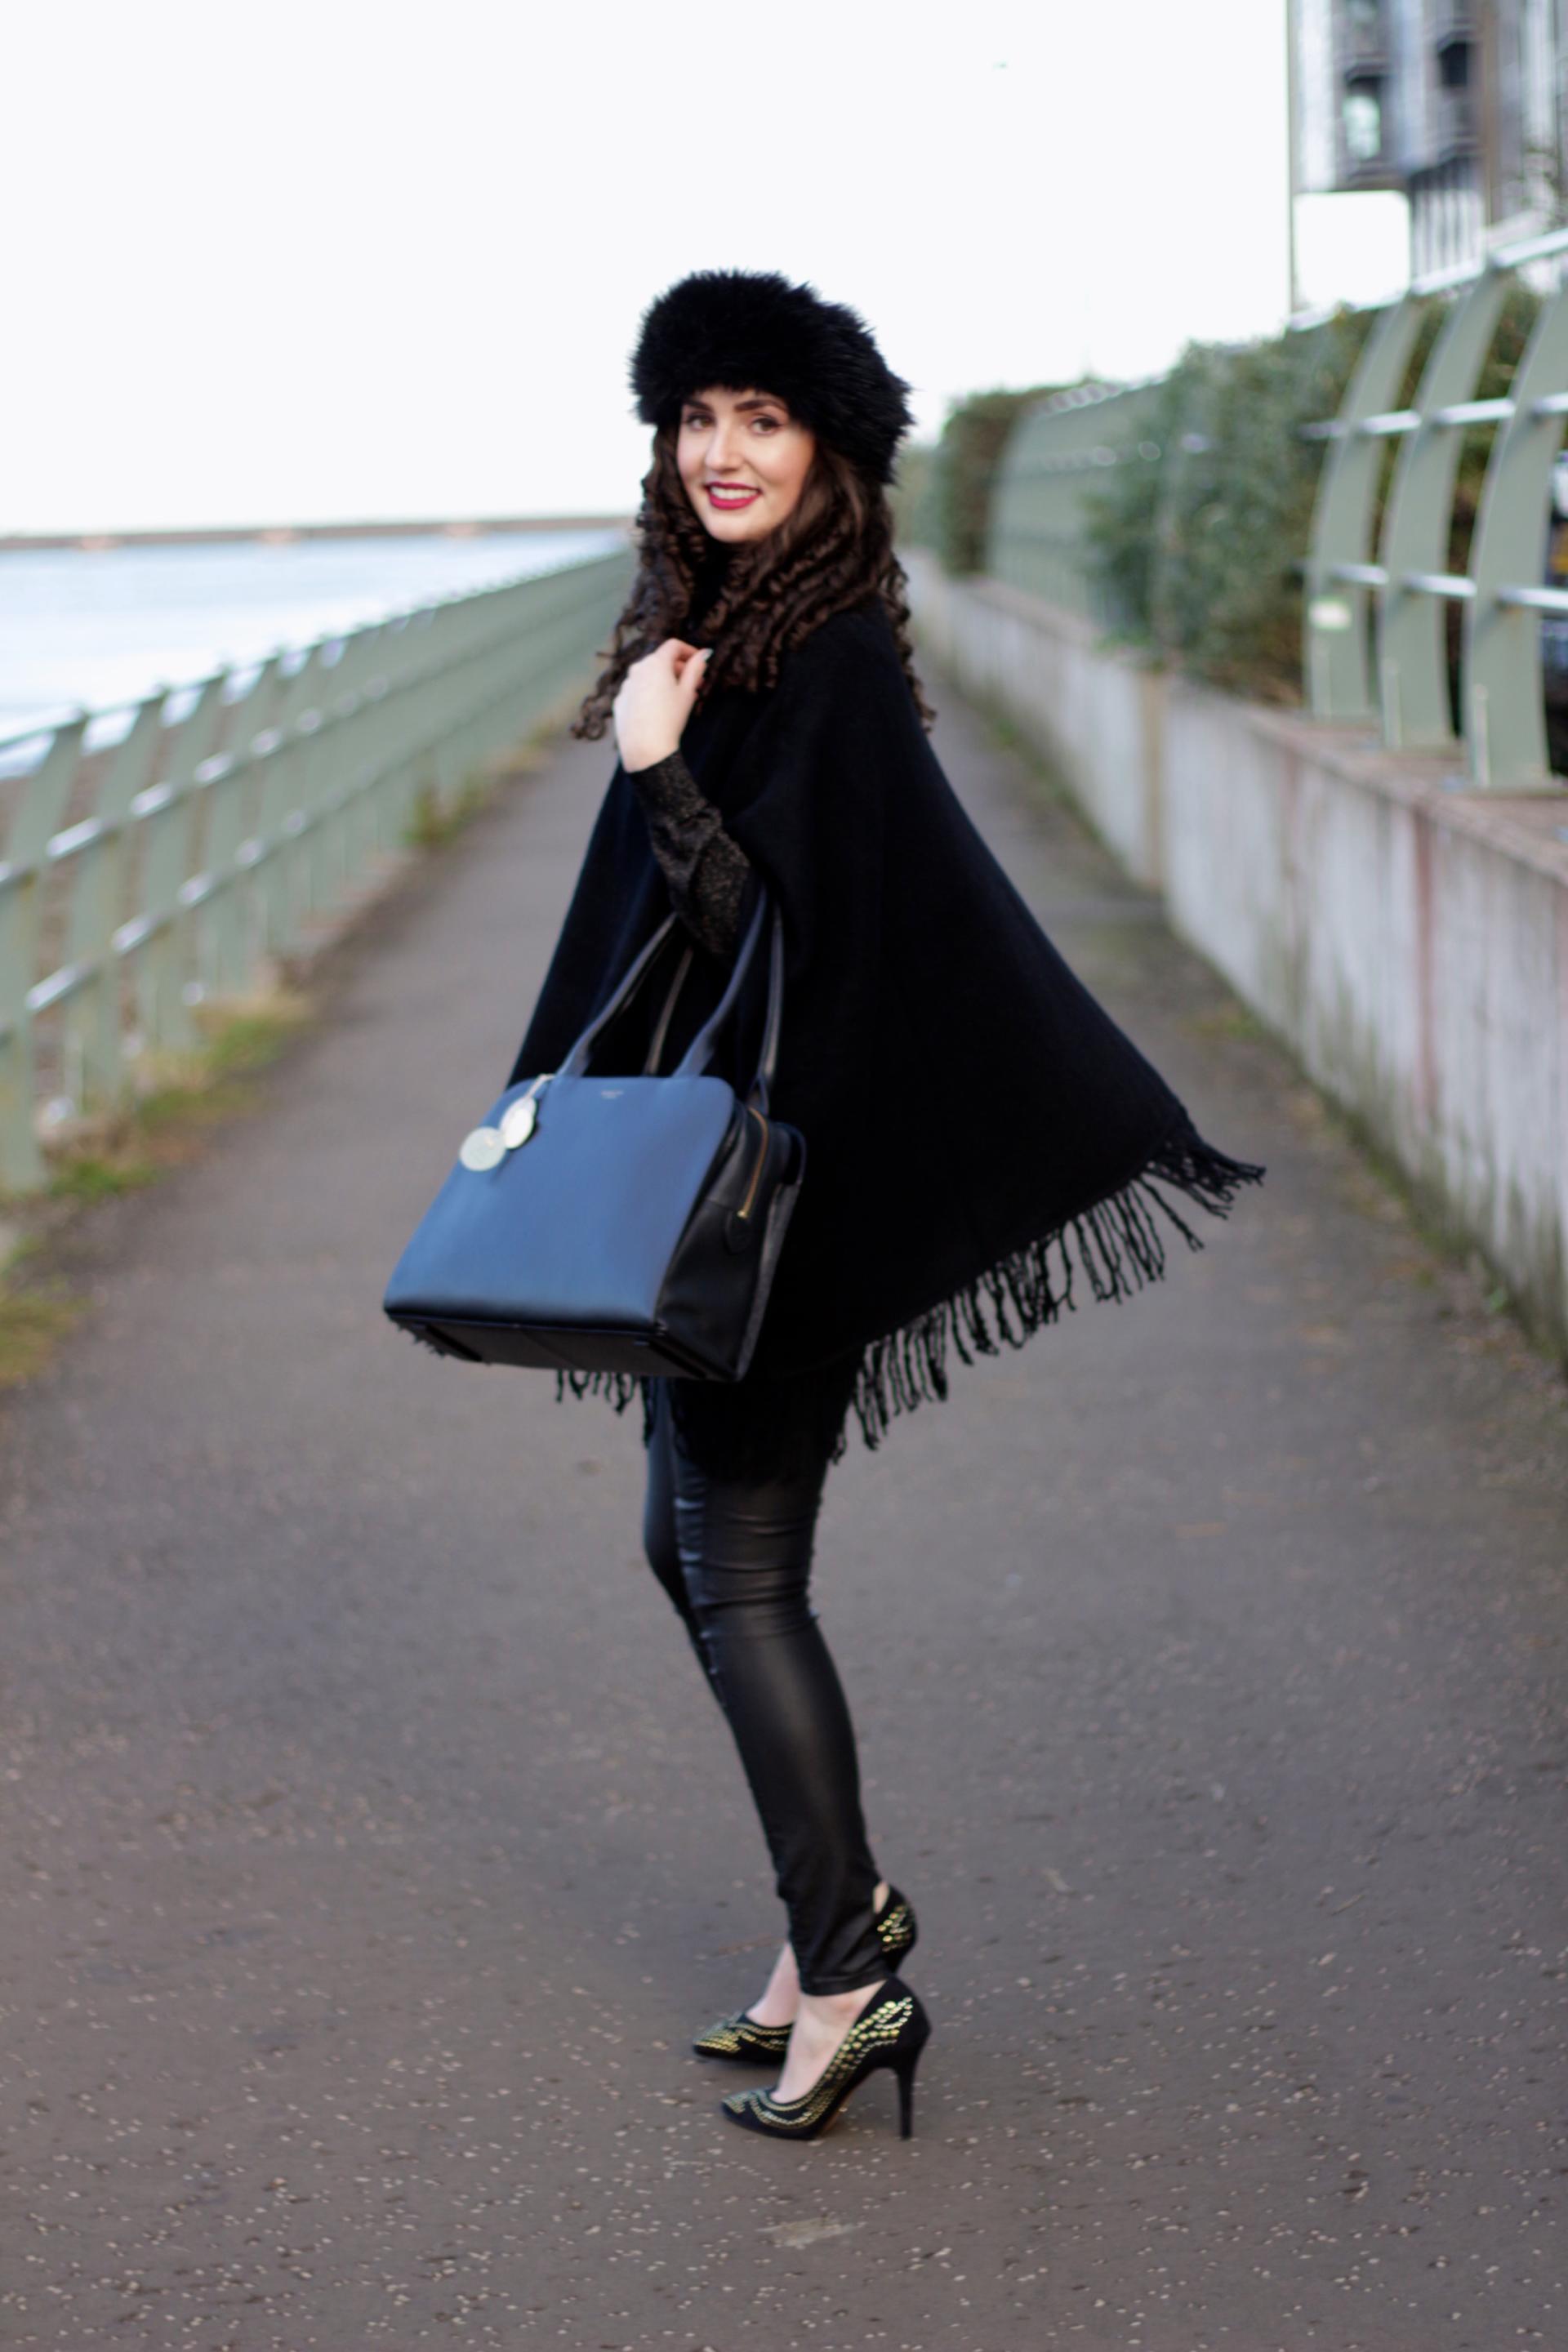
(735,1560)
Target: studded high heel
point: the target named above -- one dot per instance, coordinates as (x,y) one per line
(890,2030)
(737,2035)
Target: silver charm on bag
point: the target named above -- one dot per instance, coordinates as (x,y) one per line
(484,1148)
(517,1121)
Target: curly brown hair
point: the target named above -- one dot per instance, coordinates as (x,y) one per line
(832,551)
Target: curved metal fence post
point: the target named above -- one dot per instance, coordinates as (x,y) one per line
(34,819)
(226,949)
(1505,717)
(348,823)
(386,818)
(1338,684)
(168,860)
(103,868)
(1412,624)
(284,752)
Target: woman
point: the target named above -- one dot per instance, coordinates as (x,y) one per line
(968,1108)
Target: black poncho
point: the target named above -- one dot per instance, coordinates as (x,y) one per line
(979,1130)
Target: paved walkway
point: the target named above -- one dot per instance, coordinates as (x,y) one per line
(373,1845)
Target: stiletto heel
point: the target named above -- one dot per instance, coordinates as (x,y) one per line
(737,2035)
(892,2030)
(906,2074)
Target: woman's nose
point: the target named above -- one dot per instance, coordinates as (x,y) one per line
(724,449)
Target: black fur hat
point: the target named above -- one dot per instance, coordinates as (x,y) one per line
(750,329)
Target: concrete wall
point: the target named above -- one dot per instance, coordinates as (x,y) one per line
(1407,938)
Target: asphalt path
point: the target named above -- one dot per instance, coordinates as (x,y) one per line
(373,1845)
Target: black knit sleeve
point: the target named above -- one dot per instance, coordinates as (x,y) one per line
(706,869)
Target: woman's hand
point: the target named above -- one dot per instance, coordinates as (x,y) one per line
(654,702)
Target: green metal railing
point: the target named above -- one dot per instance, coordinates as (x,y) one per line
(1056,452)
(1375,638)
(1396,671)
(153,856)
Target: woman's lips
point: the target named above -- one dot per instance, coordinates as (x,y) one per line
(720,497)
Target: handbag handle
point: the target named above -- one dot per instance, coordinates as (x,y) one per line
(576,1061)
(661,1027)
(699,1053)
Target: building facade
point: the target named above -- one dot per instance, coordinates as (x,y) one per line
(1459,104)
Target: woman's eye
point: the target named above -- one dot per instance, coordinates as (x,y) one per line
(696,420)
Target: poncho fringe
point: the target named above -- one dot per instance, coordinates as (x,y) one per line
(1119,1247)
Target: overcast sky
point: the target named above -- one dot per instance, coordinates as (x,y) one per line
(290,263)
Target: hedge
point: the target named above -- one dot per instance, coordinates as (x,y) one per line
(1197,555)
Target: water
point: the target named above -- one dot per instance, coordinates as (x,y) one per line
(107,628)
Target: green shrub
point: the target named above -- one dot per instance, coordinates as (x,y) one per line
(1198,554)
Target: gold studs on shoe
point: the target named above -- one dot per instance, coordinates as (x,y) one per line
(739,2036)
(750,2044)
(892,2030)
(896,1929)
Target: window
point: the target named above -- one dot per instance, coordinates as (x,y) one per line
(1364,122)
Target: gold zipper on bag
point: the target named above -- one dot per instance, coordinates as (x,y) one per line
(745,1209)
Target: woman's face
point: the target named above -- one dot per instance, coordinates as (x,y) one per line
(744,461)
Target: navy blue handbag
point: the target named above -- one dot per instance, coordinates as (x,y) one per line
(616,1224)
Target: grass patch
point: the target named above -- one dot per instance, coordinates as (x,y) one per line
(32,1322)
(249,1039)
(94,1176)
(186,1093)
(430,825)
(182,1095)
(1232,1019)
